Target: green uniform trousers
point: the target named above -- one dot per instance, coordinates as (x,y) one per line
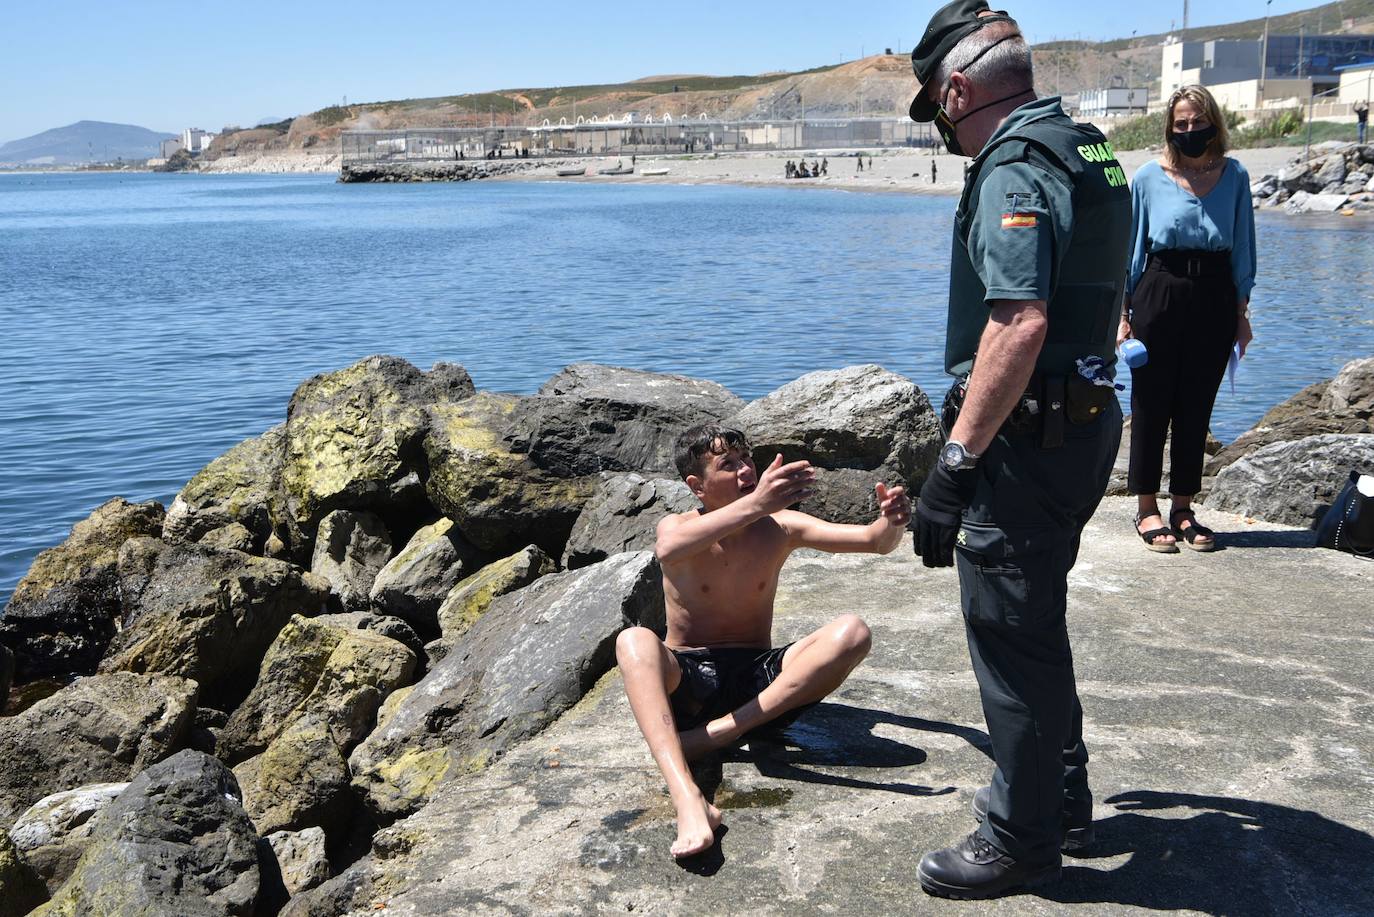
(1018,542)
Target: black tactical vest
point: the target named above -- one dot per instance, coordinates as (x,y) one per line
(1087,280)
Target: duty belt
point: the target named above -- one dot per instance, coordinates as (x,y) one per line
(1045,407)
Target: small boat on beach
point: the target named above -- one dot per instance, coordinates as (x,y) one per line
(616,170)
(569,173)
(653,171)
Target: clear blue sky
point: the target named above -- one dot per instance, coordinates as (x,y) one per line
(172,65)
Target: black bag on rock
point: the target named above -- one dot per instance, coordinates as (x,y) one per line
(1349,524)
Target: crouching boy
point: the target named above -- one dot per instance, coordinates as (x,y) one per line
(717,675)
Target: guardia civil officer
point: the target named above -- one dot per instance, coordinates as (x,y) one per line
(1041,239)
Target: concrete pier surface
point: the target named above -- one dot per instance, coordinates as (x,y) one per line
(1229,711)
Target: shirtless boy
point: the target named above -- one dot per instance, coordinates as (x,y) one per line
(716,676)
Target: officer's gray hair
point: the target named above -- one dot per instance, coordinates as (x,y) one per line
(1007,65)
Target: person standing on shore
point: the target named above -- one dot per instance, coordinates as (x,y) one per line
(1361,120)
(1188,302)
(1041,237)
(932,171)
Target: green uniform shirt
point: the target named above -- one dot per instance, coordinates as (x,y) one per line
(1014,236)
(1023,215)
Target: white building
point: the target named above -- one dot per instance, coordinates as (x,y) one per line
(169,147)
(1112,102)
(1356,83)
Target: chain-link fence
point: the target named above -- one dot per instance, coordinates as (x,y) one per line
(626,138)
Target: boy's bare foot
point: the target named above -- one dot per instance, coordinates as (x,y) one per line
(697,821)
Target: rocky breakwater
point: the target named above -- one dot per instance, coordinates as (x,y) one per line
(436,170)
(1338,177)
(214,708)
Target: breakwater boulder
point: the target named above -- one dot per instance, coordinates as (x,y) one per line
(858,425)
(176,842)
(1292,482)
(1338,177)
(55,831)
(432,170)
(623,515)
(105,728)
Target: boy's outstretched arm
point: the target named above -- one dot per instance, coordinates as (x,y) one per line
(680,537)
(878,537)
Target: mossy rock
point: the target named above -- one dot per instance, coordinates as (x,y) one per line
(471,598)
(242,486)
(500,500)
(21,889)
(353,437)
(93,545)
(338,674)
(299,781)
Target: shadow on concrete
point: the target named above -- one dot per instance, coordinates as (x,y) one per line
(1288,538)
(1229,857)
(839,735)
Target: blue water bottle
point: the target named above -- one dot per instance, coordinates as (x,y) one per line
(1133,353)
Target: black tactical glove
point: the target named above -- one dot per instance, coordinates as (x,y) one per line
(939,513)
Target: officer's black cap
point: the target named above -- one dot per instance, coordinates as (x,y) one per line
(951,24)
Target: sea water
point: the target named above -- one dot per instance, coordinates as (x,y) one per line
(149,322)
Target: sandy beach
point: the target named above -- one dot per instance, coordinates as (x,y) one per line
(904,171)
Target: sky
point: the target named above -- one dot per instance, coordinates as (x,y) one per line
(167,66)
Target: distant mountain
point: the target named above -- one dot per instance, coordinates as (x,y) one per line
(85,141)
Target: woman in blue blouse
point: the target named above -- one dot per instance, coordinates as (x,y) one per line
(1188,296)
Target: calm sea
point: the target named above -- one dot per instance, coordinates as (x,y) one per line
(147,323)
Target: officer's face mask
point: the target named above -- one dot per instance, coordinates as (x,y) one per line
(1194,143)
(947,125)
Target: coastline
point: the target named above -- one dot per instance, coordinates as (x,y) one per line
(899,170)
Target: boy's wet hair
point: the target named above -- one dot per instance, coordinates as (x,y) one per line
(696,443)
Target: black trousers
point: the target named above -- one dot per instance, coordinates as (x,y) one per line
(1018,541)
(1188,324)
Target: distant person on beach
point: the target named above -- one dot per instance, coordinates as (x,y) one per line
(932,171)
(861,163)
(1032,428)
(1361,120)
(790,169)
(716,677)
(1188,301)
(825,166)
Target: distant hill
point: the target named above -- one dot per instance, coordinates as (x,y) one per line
(876,86)
(85,141)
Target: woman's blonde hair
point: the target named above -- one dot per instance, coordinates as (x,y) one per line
(1202,100)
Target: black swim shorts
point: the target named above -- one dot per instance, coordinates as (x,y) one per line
(719,681)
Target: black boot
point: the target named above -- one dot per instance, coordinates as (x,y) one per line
(974,868)
(1078,825)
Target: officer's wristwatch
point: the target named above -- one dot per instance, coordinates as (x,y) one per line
(957,458)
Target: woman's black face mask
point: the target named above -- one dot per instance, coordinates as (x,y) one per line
(1194,143)
(945,124)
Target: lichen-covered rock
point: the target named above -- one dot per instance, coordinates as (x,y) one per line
(1292,482)
(317,668)
(385,625)
(300,781)
(301,858)
(64,611)
(530,657)
(623,515)
(176,843)
(54,832)
(353,436)
(470,599)
(209,615)
(859,419)
(591,418)
(232,537)
(349,891)
(413,584)
(242,486)
(104,728)
(21,888)
(500,500)
(350,550)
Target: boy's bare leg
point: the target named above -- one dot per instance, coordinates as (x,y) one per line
(651,674)
(813,667)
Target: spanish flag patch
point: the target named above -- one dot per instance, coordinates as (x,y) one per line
(1018,221)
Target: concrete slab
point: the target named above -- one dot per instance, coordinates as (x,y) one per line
(1229,703)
